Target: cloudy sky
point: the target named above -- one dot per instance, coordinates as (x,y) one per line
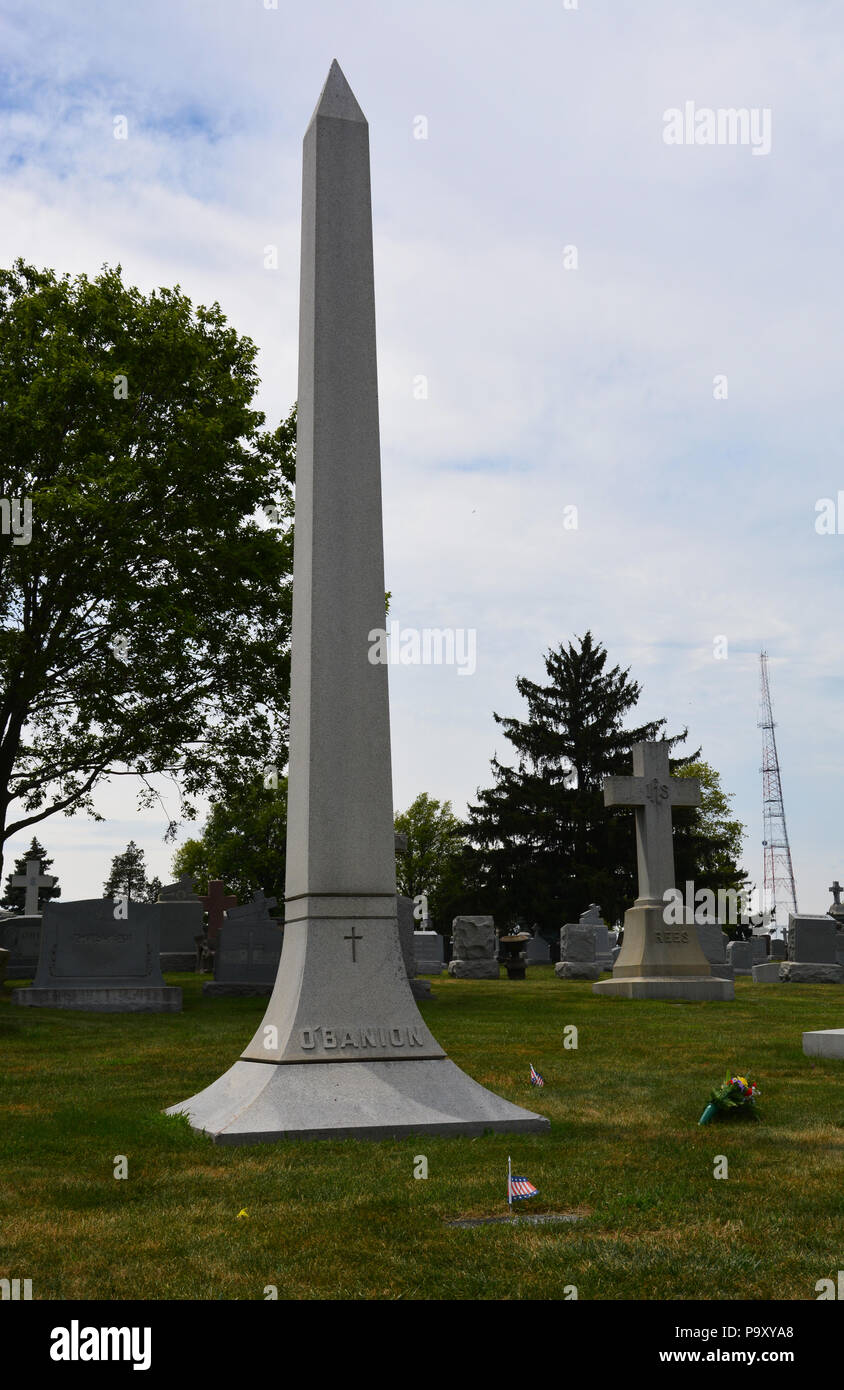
(648,332)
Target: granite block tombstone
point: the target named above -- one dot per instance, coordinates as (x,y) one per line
(248,951)
(537,951)
(740,957)
(91,959)
(21,937)
(428,948)
(713,943)
(578,956)
(420,989)
(473,955)
(181,921)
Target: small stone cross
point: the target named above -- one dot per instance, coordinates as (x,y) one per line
(836,890)
(652,791)
(32,880)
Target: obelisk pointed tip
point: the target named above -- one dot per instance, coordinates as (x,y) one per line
(337,99)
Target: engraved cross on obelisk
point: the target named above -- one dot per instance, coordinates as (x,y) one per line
(652,791)
(343,1049)
(660,959)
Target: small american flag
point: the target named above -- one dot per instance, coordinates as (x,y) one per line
(535,1078)
(520,1187)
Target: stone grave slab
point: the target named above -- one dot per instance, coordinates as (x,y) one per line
(21,937)
(740,957)
(811,939)
(248,952)
(420,989)
(428,949)
(92,960)
(578,956)
(713,943)
(537,951)
(827,1042)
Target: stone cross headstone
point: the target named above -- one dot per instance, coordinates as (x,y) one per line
(215,902)
(658,959)
(32,880)
(836,912)
(341,995)
(92,960)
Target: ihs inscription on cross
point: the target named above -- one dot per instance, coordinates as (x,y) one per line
(354,940)
(652,791)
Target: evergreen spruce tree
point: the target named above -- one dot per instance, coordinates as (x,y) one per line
(14,898)
(128,876)
(545,844)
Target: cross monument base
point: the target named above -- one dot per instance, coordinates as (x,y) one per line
(661,961)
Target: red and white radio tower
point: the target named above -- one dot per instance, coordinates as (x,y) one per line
(778,878)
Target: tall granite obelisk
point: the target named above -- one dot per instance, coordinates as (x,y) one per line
(343,1050)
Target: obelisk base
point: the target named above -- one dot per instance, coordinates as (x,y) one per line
(661,960)
(263,1102)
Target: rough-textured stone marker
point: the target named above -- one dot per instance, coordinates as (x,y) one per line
(343,1049)
(811,939)
(180,916)
(21,937)
(578,957)
(808,972)
(657,960)
(713,943)
(827,1042)
(473,954)
(95,961)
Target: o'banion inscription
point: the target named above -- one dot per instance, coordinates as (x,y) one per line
(332,1039)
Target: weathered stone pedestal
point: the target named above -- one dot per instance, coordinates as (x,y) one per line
(658,961)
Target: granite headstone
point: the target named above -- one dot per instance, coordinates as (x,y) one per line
(91,959)
(473,950)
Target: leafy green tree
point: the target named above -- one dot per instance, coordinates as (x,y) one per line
(14,899)
(545,846)
(433,861)
(243,843)
(128,877)
(144,622)
(708,840)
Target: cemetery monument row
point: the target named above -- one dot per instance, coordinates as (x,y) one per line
(343,1050)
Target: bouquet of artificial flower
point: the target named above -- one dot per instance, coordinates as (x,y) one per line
(736,1093)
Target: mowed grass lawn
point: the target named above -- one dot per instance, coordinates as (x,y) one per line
(348,1219)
